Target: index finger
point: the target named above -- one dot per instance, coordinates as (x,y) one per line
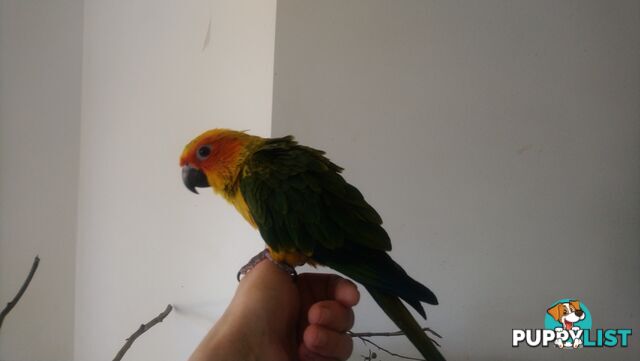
(331,287)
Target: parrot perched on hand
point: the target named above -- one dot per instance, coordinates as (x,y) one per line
(307,213)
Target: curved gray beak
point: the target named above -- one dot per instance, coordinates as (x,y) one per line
(192,178)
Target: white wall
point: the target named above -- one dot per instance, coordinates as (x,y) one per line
(40,59)
(155,75)
(496,133)
(500,141)
(152,76)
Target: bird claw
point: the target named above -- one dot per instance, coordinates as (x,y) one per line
(252,263)
(259,258)
(283,266)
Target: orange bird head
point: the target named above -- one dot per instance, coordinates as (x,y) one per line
(214,159)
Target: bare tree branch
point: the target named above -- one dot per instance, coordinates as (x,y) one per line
(25,284)
(365,341)
(142,329)
(363,337)
(387,334)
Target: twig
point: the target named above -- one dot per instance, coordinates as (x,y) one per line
(142,329)
(363,337)
(360,335)
(387,334)
(365,340)
(14,301)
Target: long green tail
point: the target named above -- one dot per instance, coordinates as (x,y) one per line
(399,314)
(387,282)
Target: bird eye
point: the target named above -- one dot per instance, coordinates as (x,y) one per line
(204,151)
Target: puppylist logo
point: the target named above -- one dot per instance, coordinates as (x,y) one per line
(567,325)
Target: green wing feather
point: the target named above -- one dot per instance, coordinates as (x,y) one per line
(301,203)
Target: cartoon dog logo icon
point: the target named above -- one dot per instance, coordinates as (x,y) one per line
(567,313)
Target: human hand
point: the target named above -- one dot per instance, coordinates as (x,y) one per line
(272,317)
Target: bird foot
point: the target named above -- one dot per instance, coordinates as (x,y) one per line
(258,258)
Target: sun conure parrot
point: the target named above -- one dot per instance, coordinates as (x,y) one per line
(307,213)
